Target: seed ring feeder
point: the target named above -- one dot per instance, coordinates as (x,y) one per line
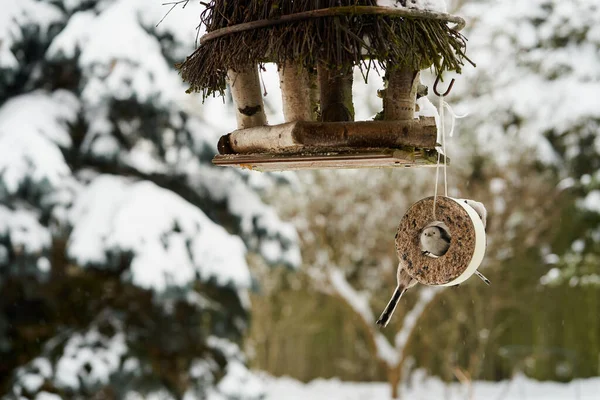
(315,51)
(467,245)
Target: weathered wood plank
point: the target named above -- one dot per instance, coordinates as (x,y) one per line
(373,158)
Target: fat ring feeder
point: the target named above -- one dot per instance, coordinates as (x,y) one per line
(467,246)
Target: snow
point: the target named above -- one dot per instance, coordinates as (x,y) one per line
(4,256)
(591,201)
(536,74)
(89,359)
(32,382)
(127,62)
(121,63)
(171,241)
(181,24)
(358,301)
(47,396)
(551,259)
(551,276)
(422,388)
(18,13)
(26,234)
(33,128)
(427,109)
(239,382)
(430,5)
(426,295)
(261,228)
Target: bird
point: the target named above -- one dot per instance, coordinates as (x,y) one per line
(482,212)
(435,240)
(405,282)
(479,209)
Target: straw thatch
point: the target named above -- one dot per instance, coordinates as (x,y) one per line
(350,39)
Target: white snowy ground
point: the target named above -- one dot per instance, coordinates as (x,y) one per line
(520,388)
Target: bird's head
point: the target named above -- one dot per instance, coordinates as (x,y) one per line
(432,231)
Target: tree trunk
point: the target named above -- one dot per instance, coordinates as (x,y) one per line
(247,96)
(401,94)
(336,94)
(295,92)
(394,376)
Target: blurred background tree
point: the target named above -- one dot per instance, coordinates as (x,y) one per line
(529,151)
(122,249)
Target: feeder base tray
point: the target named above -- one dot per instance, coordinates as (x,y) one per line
(376,158)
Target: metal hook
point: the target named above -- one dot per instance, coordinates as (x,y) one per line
(437,80)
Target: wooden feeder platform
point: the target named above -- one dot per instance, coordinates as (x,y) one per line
(331,145)
(316,51)
(375,158)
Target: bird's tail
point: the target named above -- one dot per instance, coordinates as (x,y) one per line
(386,315)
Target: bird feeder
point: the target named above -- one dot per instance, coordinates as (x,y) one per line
(316,46)
(467,246)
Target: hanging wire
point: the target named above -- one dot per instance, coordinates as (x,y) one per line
(437,167)
(442,129)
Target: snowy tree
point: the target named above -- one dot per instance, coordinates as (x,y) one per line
(534,92)
(122,249)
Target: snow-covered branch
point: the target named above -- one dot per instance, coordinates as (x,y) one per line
(359,302)
(392,356)
(426,296)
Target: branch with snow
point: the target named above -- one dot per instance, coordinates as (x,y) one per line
(170,241)
(33,129)
(428,5)
(392,356)
(426,296)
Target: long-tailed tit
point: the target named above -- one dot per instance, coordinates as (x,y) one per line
(479,209)
(482,212)
(435,240)
(405,282)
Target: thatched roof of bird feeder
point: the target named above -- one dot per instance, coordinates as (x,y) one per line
(316,44)
(355,32)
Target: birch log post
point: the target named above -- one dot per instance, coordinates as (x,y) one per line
(335,88)
(324,136)
(295,92)
(247,96)
(401,94)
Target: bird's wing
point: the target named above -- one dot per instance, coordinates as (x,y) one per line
(444,234)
